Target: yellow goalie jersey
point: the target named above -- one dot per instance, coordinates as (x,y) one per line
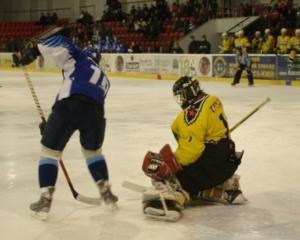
(201,122)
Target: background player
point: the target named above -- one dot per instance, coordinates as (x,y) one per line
(204,163)
(79,106)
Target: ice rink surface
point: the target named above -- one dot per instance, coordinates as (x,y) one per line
(139,114)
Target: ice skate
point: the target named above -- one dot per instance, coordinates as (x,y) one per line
(41,208)
(107,196)
(235,197)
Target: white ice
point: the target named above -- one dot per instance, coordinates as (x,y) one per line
(139,114)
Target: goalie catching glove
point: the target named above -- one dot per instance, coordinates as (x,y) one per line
(161,165)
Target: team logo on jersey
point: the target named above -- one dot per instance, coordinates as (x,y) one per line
(193,111)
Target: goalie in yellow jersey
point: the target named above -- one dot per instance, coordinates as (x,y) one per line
(204,162)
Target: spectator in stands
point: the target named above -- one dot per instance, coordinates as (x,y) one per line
(48,19)
(152,29)
(213,8)
(298,18)
(294,46)
(134,48)
(54,18)
(256,43)
(43,20)
(241,41)
(194,45)
(99,44)
(226,46)
(113,4)
(145,12)
(9,45)
(106,47)
(179,25)
(176,48)
(268,42)
(114,44)
(204,46)
(282,42)
(175,9)
(85,18)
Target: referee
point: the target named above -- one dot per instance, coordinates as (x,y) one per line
(244,62)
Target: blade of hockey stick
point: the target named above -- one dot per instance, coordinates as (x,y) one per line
(133,186)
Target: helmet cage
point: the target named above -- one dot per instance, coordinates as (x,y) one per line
(185,91)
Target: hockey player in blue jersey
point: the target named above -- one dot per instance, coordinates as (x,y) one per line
(79,106)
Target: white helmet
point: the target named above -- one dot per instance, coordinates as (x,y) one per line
(267,31)
(241,33)
(224,34)
(257,33)
(283,30)
(297,31)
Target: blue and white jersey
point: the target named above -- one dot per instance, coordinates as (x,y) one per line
(80,73)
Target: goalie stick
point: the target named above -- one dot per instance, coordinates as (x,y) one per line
(76,195)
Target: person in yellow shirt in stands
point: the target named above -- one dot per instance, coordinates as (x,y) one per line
(204,162)
(294,46)
(268,42)
(256,43)
(241,41)
(282,42)
(226,46)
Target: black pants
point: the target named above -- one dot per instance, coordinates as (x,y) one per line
(75,113)
(238,74)
(215,166)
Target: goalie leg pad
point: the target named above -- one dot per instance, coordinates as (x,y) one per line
(228,192)
(164,202)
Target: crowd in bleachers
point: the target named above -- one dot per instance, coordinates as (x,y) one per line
(48,19)
(278,34)
(263,44)
(150,27)
(156,27)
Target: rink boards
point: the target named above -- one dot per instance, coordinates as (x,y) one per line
(267,69)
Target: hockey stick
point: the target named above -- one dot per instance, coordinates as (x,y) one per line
(249,114)
(76,195)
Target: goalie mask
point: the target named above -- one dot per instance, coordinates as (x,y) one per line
(186,90)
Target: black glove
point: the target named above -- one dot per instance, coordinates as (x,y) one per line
(27,55)
(42,126)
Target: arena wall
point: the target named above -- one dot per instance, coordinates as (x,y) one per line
(267,69)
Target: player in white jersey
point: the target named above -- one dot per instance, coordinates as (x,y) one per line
(79,106)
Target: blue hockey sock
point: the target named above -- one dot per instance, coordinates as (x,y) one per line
(97,167)
(48,171)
